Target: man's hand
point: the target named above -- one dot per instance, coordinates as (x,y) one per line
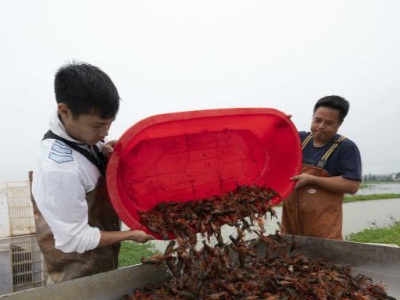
(140,236)
(302,180)
(108,148)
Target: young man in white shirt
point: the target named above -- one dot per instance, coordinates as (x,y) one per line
(78,230)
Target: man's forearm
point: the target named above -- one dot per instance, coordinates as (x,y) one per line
(113,237)
(336,184)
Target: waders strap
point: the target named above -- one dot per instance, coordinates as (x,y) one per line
(321,163)
(306,140)
(98,161)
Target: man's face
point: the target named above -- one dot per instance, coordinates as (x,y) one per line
(89,128)
(325,124)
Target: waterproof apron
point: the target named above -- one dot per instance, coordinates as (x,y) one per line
(312,211)
(63,266)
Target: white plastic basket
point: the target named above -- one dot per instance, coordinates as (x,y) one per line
(16,210)
(21,264)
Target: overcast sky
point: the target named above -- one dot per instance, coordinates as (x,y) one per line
(167,56)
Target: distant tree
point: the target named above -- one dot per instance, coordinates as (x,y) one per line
(396,176)
(381,177)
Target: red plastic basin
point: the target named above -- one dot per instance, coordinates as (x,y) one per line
(199,154)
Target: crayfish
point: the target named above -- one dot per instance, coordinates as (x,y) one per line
(263,268)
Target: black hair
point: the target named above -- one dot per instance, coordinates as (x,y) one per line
(86,89)
(334,102)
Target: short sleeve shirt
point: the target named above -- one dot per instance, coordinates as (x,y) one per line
(345,161)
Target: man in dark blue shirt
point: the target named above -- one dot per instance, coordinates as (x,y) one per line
(331,168)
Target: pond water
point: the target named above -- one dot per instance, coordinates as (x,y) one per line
(380,188)
(358,216)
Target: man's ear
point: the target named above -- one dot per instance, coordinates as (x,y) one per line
(64,111)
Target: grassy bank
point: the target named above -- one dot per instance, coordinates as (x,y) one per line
(380,235)
(386,235)
(353,198)
(132,252)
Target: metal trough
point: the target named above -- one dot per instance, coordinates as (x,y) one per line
(381,263)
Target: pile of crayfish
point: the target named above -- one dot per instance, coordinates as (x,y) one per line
(239,269)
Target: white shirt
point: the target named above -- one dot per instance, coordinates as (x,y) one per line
(61,179)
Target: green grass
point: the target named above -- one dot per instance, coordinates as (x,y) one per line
(353,198)
(380,235)
(132,252)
